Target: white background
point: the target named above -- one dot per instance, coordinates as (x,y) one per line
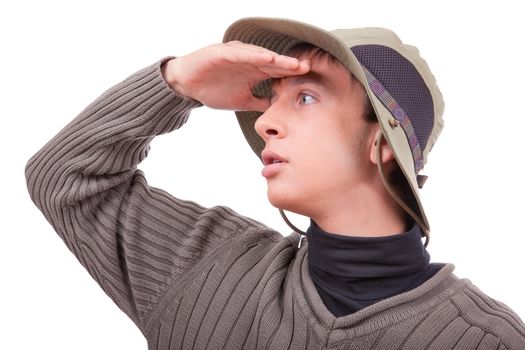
(57,56)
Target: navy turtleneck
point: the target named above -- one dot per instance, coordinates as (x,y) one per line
(351,273)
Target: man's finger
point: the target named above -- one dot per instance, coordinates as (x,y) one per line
(278,72)
(247,53)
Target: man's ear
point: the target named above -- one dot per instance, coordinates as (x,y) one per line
(386,152)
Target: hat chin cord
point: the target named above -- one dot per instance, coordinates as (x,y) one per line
(289,223)
(393,194)
(389,189)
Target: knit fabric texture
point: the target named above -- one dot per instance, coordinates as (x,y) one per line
(208,278)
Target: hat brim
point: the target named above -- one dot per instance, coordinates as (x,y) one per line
(281,34)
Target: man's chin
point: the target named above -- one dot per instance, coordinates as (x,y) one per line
(279,199)
(285,202)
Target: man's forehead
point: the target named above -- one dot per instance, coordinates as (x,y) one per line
(327,74)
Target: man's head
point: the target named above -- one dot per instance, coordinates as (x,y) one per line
(399,85)
(320,128)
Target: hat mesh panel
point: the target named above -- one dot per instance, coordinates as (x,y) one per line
(403,82)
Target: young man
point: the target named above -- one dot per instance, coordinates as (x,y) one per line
(343,122)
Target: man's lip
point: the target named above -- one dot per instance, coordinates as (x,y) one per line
(268,157)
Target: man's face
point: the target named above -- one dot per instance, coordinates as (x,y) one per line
(316,126)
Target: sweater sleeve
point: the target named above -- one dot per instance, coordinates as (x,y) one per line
(492,324)
(134,239)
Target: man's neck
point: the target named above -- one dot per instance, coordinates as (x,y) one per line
(370,214)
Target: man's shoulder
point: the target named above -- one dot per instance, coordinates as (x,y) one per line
(489,315)
(252,233)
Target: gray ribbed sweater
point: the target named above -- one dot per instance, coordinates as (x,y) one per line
(198,278)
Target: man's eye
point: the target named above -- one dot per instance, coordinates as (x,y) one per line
(305,99)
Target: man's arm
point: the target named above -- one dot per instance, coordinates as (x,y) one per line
(132,238)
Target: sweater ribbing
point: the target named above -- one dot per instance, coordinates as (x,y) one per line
(193,277)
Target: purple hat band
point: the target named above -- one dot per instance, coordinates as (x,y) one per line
(401,89)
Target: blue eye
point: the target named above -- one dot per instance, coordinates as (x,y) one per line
(305,99)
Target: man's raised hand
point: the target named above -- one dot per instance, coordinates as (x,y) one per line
(223,76)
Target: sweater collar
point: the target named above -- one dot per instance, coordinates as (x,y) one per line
(333,330)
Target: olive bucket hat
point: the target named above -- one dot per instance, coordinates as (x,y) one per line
(401,88)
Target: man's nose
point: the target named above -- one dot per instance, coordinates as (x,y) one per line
(269,124)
